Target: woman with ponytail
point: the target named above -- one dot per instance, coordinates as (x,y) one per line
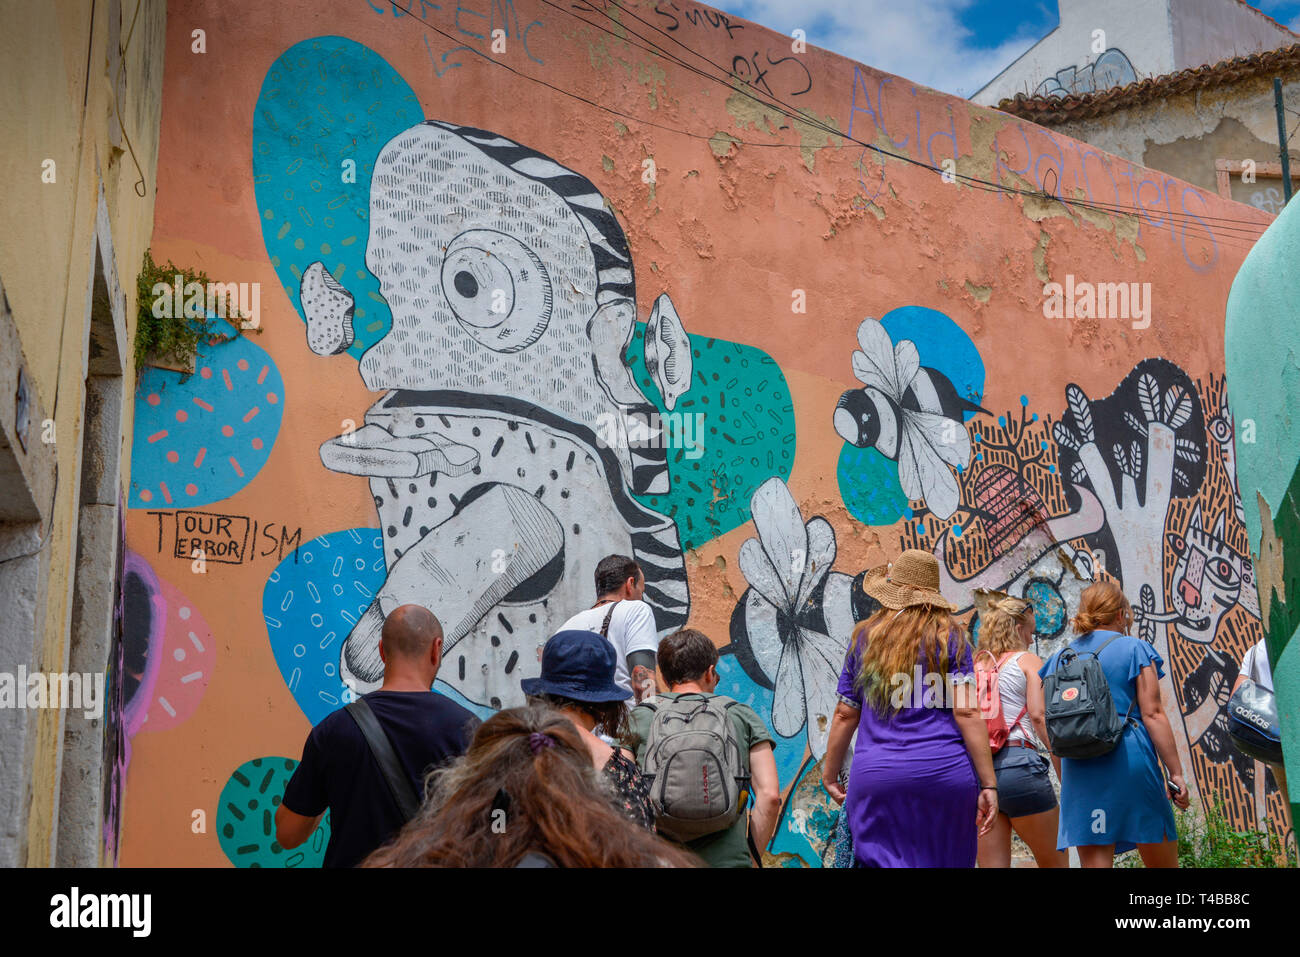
(524,793)
(1119,800)
(1026,799)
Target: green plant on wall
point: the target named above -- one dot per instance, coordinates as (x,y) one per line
(172,318)
(1212,841)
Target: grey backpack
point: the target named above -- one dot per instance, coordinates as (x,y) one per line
(694,765)
(1080,713)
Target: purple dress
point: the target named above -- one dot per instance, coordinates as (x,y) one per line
(912,791)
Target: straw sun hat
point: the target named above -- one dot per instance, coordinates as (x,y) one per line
(912,579)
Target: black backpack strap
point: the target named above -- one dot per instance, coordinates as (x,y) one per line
(753,848)
(399,784)
(1103,646)
(604,629)
(1133,700)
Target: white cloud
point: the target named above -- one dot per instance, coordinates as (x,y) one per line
(921,40)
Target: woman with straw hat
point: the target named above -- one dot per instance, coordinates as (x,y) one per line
(921,787)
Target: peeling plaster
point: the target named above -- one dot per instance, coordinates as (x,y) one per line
(1040,256)
(747,112)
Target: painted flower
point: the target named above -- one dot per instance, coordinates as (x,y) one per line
(792,626)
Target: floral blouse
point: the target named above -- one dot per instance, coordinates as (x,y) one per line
(631,792)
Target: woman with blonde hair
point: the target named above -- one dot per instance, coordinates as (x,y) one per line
(921,786)
(1026,799)
(524,794)
(1119,800)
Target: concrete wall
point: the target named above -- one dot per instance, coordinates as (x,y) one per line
(1142,38)
(1261,343)
(1206,31)
(1065,61)
(1185,134)
(72,233)
(477,290)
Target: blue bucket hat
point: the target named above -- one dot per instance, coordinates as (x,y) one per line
(580,665)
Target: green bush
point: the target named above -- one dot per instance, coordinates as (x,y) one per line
(174,337)
(1212,841)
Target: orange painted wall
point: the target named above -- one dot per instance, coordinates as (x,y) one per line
(730,231)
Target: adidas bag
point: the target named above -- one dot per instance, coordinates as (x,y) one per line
(698,777)
(1080,713)
(1252,721)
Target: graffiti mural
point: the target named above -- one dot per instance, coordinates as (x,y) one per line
(505,333)
(1111,69)
(496,496)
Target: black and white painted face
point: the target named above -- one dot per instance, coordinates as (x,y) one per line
(490,275)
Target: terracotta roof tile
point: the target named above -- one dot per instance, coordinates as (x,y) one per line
(1050,110)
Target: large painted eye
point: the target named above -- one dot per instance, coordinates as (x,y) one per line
(498,289)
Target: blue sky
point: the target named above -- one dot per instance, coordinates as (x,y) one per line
(953,45)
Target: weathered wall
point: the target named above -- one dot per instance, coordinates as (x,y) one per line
(1263,360)
(1206,31)
(1142,38)
(1186,133)
(1137,44)
(71,218)
(463,439)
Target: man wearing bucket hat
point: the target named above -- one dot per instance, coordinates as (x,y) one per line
(579,680)
(921,787)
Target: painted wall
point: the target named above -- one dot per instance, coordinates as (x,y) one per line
(464,350)
(1262,350)
(1142,38)
(1185,134)
(1206,31)
(71,219)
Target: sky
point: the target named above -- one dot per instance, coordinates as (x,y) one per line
(955,46)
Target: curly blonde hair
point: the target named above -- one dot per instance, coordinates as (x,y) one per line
(1000,625)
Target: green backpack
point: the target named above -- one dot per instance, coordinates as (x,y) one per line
(698,777)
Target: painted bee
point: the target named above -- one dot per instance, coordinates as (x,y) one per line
(909,413)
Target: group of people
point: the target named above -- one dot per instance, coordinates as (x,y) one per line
(606,767)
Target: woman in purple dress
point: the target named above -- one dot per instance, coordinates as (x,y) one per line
(921,788)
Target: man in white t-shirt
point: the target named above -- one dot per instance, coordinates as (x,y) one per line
(631,630)
(1254,665)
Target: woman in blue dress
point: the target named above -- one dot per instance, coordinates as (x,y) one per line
(1119,801)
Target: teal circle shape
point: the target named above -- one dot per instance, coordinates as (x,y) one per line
(869,486)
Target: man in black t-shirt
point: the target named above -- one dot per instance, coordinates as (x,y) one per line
(338,770)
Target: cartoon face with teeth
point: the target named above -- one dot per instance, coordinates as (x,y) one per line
(513,301)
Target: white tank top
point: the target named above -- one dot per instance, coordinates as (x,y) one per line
(1011,689)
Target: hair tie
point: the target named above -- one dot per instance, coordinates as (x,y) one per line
(537,740)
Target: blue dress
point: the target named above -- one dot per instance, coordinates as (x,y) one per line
(1118,798)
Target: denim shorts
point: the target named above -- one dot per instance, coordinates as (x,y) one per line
(1024,785)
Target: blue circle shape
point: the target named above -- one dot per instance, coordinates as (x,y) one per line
(942,345)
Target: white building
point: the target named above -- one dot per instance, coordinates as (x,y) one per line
(1108,43)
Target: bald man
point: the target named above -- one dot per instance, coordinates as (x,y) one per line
(340,773)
